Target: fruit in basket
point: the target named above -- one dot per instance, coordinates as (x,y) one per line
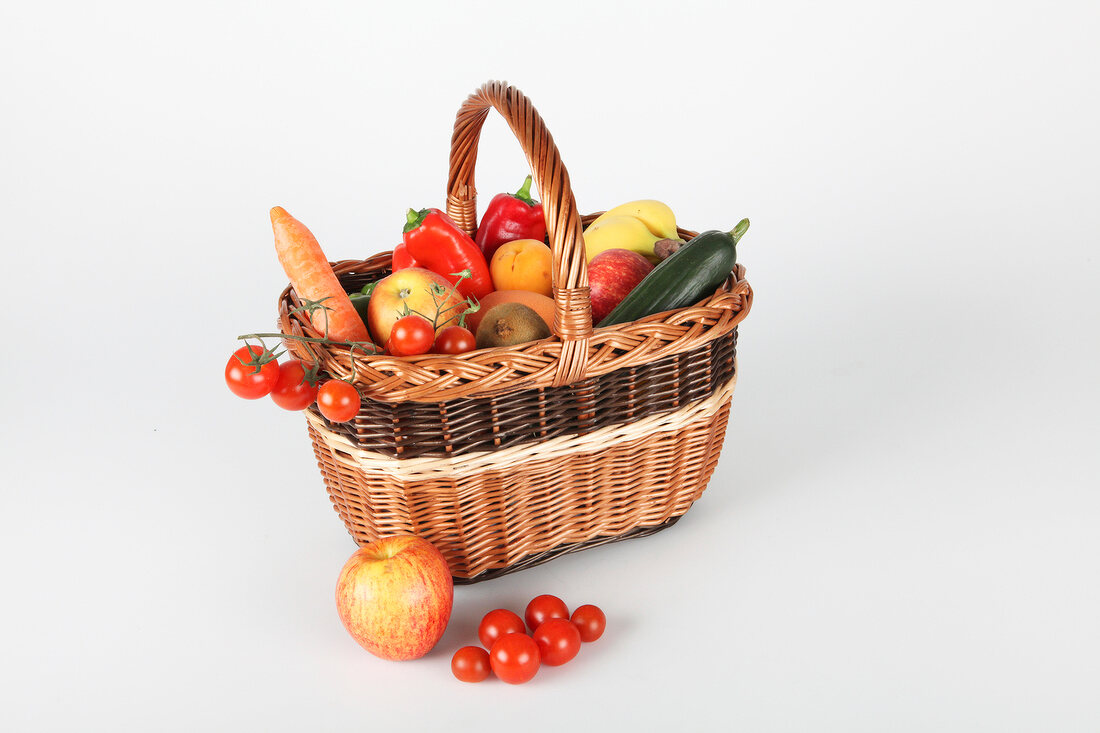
(509,324)
(338,400)
(437,243)
(313,280)
(541,304)
(657,217)
(687,276)
(522,265)
(510,216)
(454,340)
(401,258)
(394,596)
(612,274)
(619,232)
(409,290)
(411,335)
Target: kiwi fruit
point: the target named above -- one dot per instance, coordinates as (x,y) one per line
(508,324)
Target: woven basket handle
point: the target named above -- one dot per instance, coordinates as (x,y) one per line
(569,273)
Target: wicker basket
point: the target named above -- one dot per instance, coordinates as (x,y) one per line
(505,458)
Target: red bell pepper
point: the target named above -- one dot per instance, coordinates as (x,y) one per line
(510,216)
(436,242)
(402,259)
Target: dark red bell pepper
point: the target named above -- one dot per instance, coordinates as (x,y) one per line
(435,241)
(510,216)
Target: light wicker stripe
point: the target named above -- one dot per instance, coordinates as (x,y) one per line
(433,468)
(488,515)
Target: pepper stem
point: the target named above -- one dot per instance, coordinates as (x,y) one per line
(524,192)
(739,231)
(414,219)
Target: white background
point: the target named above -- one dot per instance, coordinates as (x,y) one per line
(902,532)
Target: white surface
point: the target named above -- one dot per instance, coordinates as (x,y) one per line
(902,532)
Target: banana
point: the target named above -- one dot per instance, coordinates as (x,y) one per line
(657,217)
(619,232)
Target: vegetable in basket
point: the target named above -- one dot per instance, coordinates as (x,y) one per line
(510,216)
(687,276)
(402,259)
(312,277)
(437,243)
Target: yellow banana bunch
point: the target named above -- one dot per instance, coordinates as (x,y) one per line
(636,226)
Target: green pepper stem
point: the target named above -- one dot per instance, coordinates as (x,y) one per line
(414,219)
(524,192)
(739,231)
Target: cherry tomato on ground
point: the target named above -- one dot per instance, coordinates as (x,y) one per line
(454,340)
(558,640)
(545,607)
(514,658)
(590,621)
(247,381)
(338,400)
(411,335)
(293,391)
(496,624)
(470,664)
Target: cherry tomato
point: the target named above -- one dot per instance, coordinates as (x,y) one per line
(543,608)
(514,658)
(470,664)
(338,400)
(590,621)
(496,624)
(292,391)
(454,340)
(558,640)
(247,381)
(411,335)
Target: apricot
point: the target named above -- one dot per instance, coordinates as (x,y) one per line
(522,265)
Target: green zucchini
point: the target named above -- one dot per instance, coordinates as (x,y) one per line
(685,277)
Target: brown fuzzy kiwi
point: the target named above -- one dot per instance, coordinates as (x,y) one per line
(508,324)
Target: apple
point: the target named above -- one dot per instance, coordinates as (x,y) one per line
(409,290)
(611,275)
(394,597)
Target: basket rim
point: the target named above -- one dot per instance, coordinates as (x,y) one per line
(488,372)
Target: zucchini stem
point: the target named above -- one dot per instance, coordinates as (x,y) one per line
(739,231)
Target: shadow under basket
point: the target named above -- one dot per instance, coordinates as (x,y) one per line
(506,458)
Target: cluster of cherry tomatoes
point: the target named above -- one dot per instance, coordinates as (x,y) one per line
(254,372)
(414,334)
(515,657)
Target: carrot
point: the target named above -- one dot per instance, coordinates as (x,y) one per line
(313,279)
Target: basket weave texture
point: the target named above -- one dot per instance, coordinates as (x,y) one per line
(507,457)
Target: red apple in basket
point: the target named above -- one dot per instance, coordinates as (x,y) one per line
(394,597)
(409,290)
(611,275)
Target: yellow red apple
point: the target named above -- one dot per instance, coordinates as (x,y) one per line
(611,275)
(410,290)
(394,597)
